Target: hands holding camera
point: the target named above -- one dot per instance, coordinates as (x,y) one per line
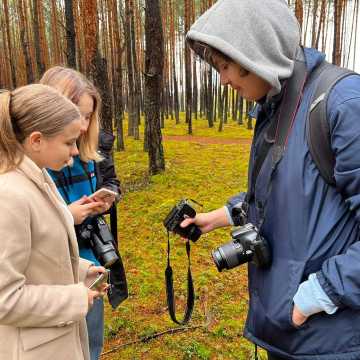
(207,222)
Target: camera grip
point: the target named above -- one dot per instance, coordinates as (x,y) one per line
(191,232)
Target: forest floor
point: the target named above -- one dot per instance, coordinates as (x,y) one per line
(206,139)
(209,166)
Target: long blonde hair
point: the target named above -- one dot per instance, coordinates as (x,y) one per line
(25,110)
(73,85)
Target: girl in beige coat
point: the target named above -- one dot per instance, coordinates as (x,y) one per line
(43,284)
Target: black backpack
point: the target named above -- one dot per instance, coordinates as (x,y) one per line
(318,132)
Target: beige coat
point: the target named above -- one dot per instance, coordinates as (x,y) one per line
(42,303)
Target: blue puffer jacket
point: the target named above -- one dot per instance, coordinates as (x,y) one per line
(312,228)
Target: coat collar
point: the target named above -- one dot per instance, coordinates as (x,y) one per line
(44,182)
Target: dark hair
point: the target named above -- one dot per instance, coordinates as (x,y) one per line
(208,53)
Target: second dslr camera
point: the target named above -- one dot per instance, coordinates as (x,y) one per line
(246,245)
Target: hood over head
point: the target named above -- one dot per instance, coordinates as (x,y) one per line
(260,35)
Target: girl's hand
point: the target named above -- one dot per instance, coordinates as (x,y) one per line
(92,295)
(83,208)
(91,275)
(105,204)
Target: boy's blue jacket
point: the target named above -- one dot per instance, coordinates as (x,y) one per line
(311,228)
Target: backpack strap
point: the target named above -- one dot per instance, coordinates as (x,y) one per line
(317,126)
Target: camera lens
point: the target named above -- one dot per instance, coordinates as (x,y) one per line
(229,255)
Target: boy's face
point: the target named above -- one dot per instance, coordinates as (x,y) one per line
(250,86)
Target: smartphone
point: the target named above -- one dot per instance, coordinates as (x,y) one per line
(103,194)
(101,279)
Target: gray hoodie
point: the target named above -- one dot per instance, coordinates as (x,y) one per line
(260,35)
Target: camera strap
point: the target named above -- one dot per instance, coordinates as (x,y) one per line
(277,134)
(170,287)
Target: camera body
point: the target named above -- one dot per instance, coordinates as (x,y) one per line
(246,245)
(97,235)
(175,217)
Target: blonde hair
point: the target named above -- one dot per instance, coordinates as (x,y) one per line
(25,110)
(73,85)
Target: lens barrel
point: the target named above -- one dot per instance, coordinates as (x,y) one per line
(229,255)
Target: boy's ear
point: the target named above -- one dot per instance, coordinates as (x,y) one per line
(35,140)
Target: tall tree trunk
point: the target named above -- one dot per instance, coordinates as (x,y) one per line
(9,44)
(55,33)
(70,34)
(336,58)
(299,11)
(118,80)
(96,66)
(176,96)
(25,43)
(313,30)
(38,32)
(130,70)
(321,23)
(188,69)
(154,61)
(209,97)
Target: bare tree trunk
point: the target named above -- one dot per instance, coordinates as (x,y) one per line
(70,34)
(132,111)
(188,69)
(9,44)
(25,43)
(154,61)
(96,66)
(118,79)
(336,58)
(209,97)
(321,23)
(356,29)
(313,30)
(55,33)
(299,12)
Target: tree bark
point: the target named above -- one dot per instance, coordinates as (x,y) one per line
(188,69)
(154,61)
(70,34)
(25,43)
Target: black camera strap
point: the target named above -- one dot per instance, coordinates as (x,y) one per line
(277,134)
(170,287)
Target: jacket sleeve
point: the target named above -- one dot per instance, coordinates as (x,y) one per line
(106,169)
(23,304)
(340,275)
(233,203)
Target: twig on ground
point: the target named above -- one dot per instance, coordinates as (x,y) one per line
(153,336)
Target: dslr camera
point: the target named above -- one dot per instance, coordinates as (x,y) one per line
(246,245)
(97,235)
(175,217)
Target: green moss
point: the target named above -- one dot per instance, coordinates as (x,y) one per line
(210,174)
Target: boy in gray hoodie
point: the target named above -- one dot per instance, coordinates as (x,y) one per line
(306,305)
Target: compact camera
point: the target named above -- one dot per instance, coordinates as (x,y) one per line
(246,245)
(97,235)
(175,217)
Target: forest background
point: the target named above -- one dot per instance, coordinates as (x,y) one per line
(179,133)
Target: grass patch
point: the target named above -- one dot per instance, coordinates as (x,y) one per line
(210,174)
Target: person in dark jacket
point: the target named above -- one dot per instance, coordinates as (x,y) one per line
(306,305)
(91,170)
